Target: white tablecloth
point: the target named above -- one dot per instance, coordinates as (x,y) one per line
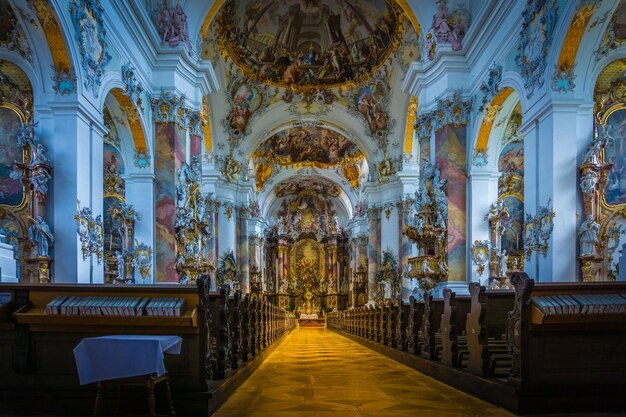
(123,356)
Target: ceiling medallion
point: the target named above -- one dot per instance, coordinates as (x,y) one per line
(311,43)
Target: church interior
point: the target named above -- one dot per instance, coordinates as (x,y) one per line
(312,207)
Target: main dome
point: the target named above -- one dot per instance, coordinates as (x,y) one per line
(304,44)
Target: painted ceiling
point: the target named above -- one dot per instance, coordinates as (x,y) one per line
(309,43)
(308,146)
(313,185)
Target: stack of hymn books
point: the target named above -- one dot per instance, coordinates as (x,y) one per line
(116,306)
(581,304)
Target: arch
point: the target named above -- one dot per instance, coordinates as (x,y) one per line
(347,197)
(410,122)
(489,115)
(278,116)
(113,85)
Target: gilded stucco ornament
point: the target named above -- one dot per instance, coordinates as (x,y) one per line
(248,100)
(88,20)
(142,259)
(13,36)
(451,110)
(91,233)
(491,87)
(171,108)
(480,255)
(538,24)
(538,230)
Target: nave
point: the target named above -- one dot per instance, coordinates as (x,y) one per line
(317,372)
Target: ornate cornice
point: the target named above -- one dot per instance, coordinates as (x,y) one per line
(448,111)
(171,108)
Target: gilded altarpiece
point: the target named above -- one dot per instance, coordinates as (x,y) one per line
(25,172)
(603,186)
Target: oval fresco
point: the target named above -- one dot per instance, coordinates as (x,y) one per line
(11,190)
(300,146)
(308,43)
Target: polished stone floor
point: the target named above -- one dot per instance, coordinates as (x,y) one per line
(318,373)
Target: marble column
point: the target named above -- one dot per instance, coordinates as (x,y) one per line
(373,250)
(171,152)
(451,159)
(243,249)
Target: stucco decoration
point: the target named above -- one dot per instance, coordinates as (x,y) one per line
(371,102)
(539,20)
(133,87)
(615,35)
(12,34)
(449,111)
(491,87)
(317,185)
(88,21)
(247,100)
(300,44)
(450,27)
(64,82)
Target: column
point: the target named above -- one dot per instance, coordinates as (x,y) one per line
(243,249)
(374,253)
(140,194)
(483,183)
(451,159)
(554,139)
(77,175)
(171,152)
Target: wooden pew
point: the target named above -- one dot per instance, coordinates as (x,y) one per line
(565,349)
(402,323)
(453,319)
(414,323)
(487,351)
(433,308)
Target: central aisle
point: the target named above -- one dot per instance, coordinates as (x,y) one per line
(318,373)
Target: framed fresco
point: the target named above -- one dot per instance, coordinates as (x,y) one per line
(12,193)
(614,122)
(303,44)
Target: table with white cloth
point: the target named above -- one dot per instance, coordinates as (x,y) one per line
(126,360)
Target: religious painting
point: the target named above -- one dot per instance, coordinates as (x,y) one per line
(11,189)
(513,236)
(246,99)
(308,43)
(512,159)
(619,22)
(615,153)
(371,101)
(308,146)
(310,184)
(308,280)
(113,196)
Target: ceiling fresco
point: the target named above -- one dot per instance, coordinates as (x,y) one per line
(314,185)
(303,44)
(308,146)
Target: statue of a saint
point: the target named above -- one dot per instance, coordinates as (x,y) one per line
(588,235)
(40,236)
(588,182)
(502,264)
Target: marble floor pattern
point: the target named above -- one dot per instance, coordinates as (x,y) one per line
(318,373)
